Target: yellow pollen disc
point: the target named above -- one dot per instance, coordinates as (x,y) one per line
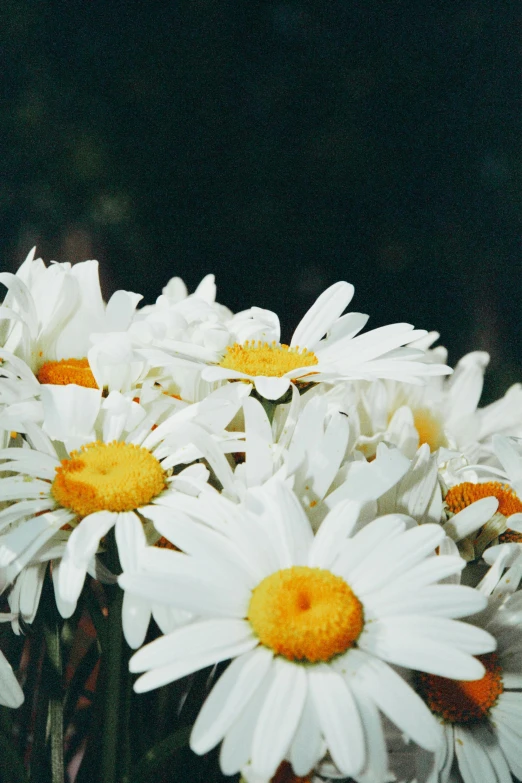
(305,614)
(269,359)
(429,429)
(458,701)
(67,371)
(508,501)
(107,477)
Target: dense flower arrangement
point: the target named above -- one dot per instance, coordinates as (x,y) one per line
(306,556)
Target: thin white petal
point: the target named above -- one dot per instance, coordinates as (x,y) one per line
(237,745)
(325,310)
(471,518)
(307,746)
(229,696)
(339,718)
(192,640)
(279,717)
(135,619)
(401,704)
(130,540)
(271,388)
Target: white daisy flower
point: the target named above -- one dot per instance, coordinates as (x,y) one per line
(55,320)
(258,355)
(419,494)
(482,719)
(116,475)
(443,413)
(311,625)
(506,524)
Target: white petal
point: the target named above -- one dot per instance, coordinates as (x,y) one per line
(320,317)
(369,480)
(70,412)
(120,310)
(237,745)
(339,718)
(31,583)
(174,671)
(435,600)
(433,569)
(421,653)
(130,540)
(279,717)
(401,704)
(355,552)
(271,388)
(397,556)
(471,518)
(478,755)
(206,636)
(307,746)
(202,542)
(135,619)
(339,335)
(20,545)
(222,374)
(229,696)
(328,453)
(510,458)
(336,526)
(376,756)
(258,443)
(85,538)
(190,592)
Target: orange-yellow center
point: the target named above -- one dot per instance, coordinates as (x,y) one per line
(458,701)
(429,429)
(108,477)
(269,359)
(67,371)
(305,614)
(508,501)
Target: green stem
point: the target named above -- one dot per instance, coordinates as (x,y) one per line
(112,654)
(269,406)
(52,630)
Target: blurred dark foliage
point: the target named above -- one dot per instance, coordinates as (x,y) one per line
(281,145)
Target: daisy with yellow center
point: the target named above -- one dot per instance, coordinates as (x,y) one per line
(506,524)
(482,719)
(61,329)
(256,354)
(442,413)
(70,504)
(310,623)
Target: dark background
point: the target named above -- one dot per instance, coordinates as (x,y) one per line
(280,145)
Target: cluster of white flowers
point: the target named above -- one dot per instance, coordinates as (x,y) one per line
(304,511)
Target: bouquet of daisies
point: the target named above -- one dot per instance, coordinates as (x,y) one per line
(224,555)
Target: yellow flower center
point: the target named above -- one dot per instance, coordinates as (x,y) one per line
(67,371)
(509,503)
(269,359)
(429,428)
(107,477)
(458,701)
(305,614)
